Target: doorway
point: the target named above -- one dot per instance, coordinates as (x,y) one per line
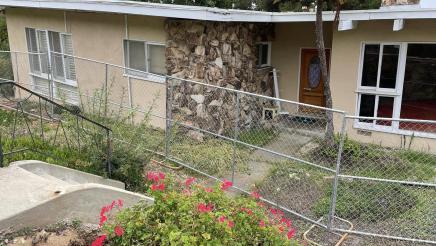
(311,82)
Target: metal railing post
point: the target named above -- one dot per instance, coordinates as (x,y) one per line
(336,178)
(168,117)
(50,81)
(236,134)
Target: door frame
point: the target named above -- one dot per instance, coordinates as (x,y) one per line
(300,55)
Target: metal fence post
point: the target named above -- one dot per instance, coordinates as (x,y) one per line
(1,151)
(336,179)
(17,78)
(168,117)
(236,134)
(50,81)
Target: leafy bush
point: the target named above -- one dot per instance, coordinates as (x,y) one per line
(190,214)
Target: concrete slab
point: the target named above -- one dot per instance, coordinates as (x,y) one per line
(34,193)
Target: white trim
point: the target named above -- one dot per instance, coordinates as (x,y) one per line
(396,93)
(215,14)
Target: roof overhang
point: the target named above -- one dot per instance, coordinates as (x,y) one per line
(215,14)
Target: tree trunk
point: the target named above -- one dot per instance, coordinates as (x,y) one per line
(329,137)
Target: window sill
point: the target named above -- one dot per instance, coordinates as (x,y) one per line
(65,82)
(391,130)
(147,77)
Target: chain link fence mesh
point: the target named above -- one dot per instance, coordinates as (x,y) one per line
(385,184)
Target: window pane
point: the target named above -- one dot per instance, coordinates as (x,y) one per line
(367,105)
(385,110)
(67,45)
(419,90)
(388,74)
(156,59)
(264,57)
(135,56)
(43,49)
(58,64)
(370,65)
(32,46)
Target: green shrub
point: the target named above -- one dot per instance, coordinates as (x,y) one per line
(257,136)
(189,214)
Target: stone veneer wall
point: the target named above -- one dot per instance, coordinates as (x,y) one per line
(222,54)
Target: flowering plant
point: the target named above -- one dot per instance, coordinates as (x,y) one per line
(186,213)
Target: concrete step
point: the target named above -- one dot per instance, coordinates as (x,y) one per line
(34,193)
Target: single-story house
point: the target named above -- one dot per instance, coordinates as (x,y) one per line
(382,62)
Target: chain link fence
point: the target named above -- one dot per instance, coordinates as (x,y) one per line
(365,174)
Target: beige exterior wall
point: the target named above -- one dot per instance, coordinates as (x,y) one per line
(290,38)
(345,68)
(100,37)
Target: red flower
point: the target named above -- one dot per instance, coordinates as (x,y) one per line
(222,218)
(291,233)
(120,203)
(99,241)
(103,219)
(161,175)
(189,181)
(262,223)
(230,224)
(273,211)
(155,177)
(160,187)
(226,184)
(203,208)
(119,231)
(281,229)
(247,210)
(103,210)
(255,195)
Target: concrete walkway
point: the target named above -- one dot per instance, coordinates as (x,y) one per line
(289,142)
(35,193)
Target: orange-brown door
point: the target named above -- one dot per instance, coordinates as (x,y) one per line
(311,82)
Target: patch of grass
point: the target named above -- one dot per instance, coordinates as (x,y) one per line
(372,160)
(368,201)
(213,156)
(257,136)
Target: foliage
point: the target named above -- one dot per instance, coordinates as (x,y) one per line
(257,136)
(373,160)
(368,201)
(190,214)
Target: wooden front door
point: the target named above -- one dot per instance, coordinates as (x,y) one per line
(311,82)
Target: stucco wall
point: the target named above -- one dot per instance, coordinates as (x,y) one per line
(95,36)
(290,38)
(345,65)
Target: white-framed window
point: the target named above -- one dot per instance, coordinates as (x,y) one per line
(145,59)
(397,80)
(55,50)
(263,54)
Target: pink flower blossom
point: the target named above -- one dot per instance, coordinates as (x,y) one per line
(99,241)
(230,224)
(247,210)
(161,175)
(226,184)
(120,203)
(255,195)
(203,208)
(160,187)
(222,218)
(290,234)
(119,231)
(262,223)
(189,181)
(103,219)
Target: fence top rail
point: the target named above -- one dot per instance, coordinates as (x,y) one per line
(201,83)
(10,82)
(390,119)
